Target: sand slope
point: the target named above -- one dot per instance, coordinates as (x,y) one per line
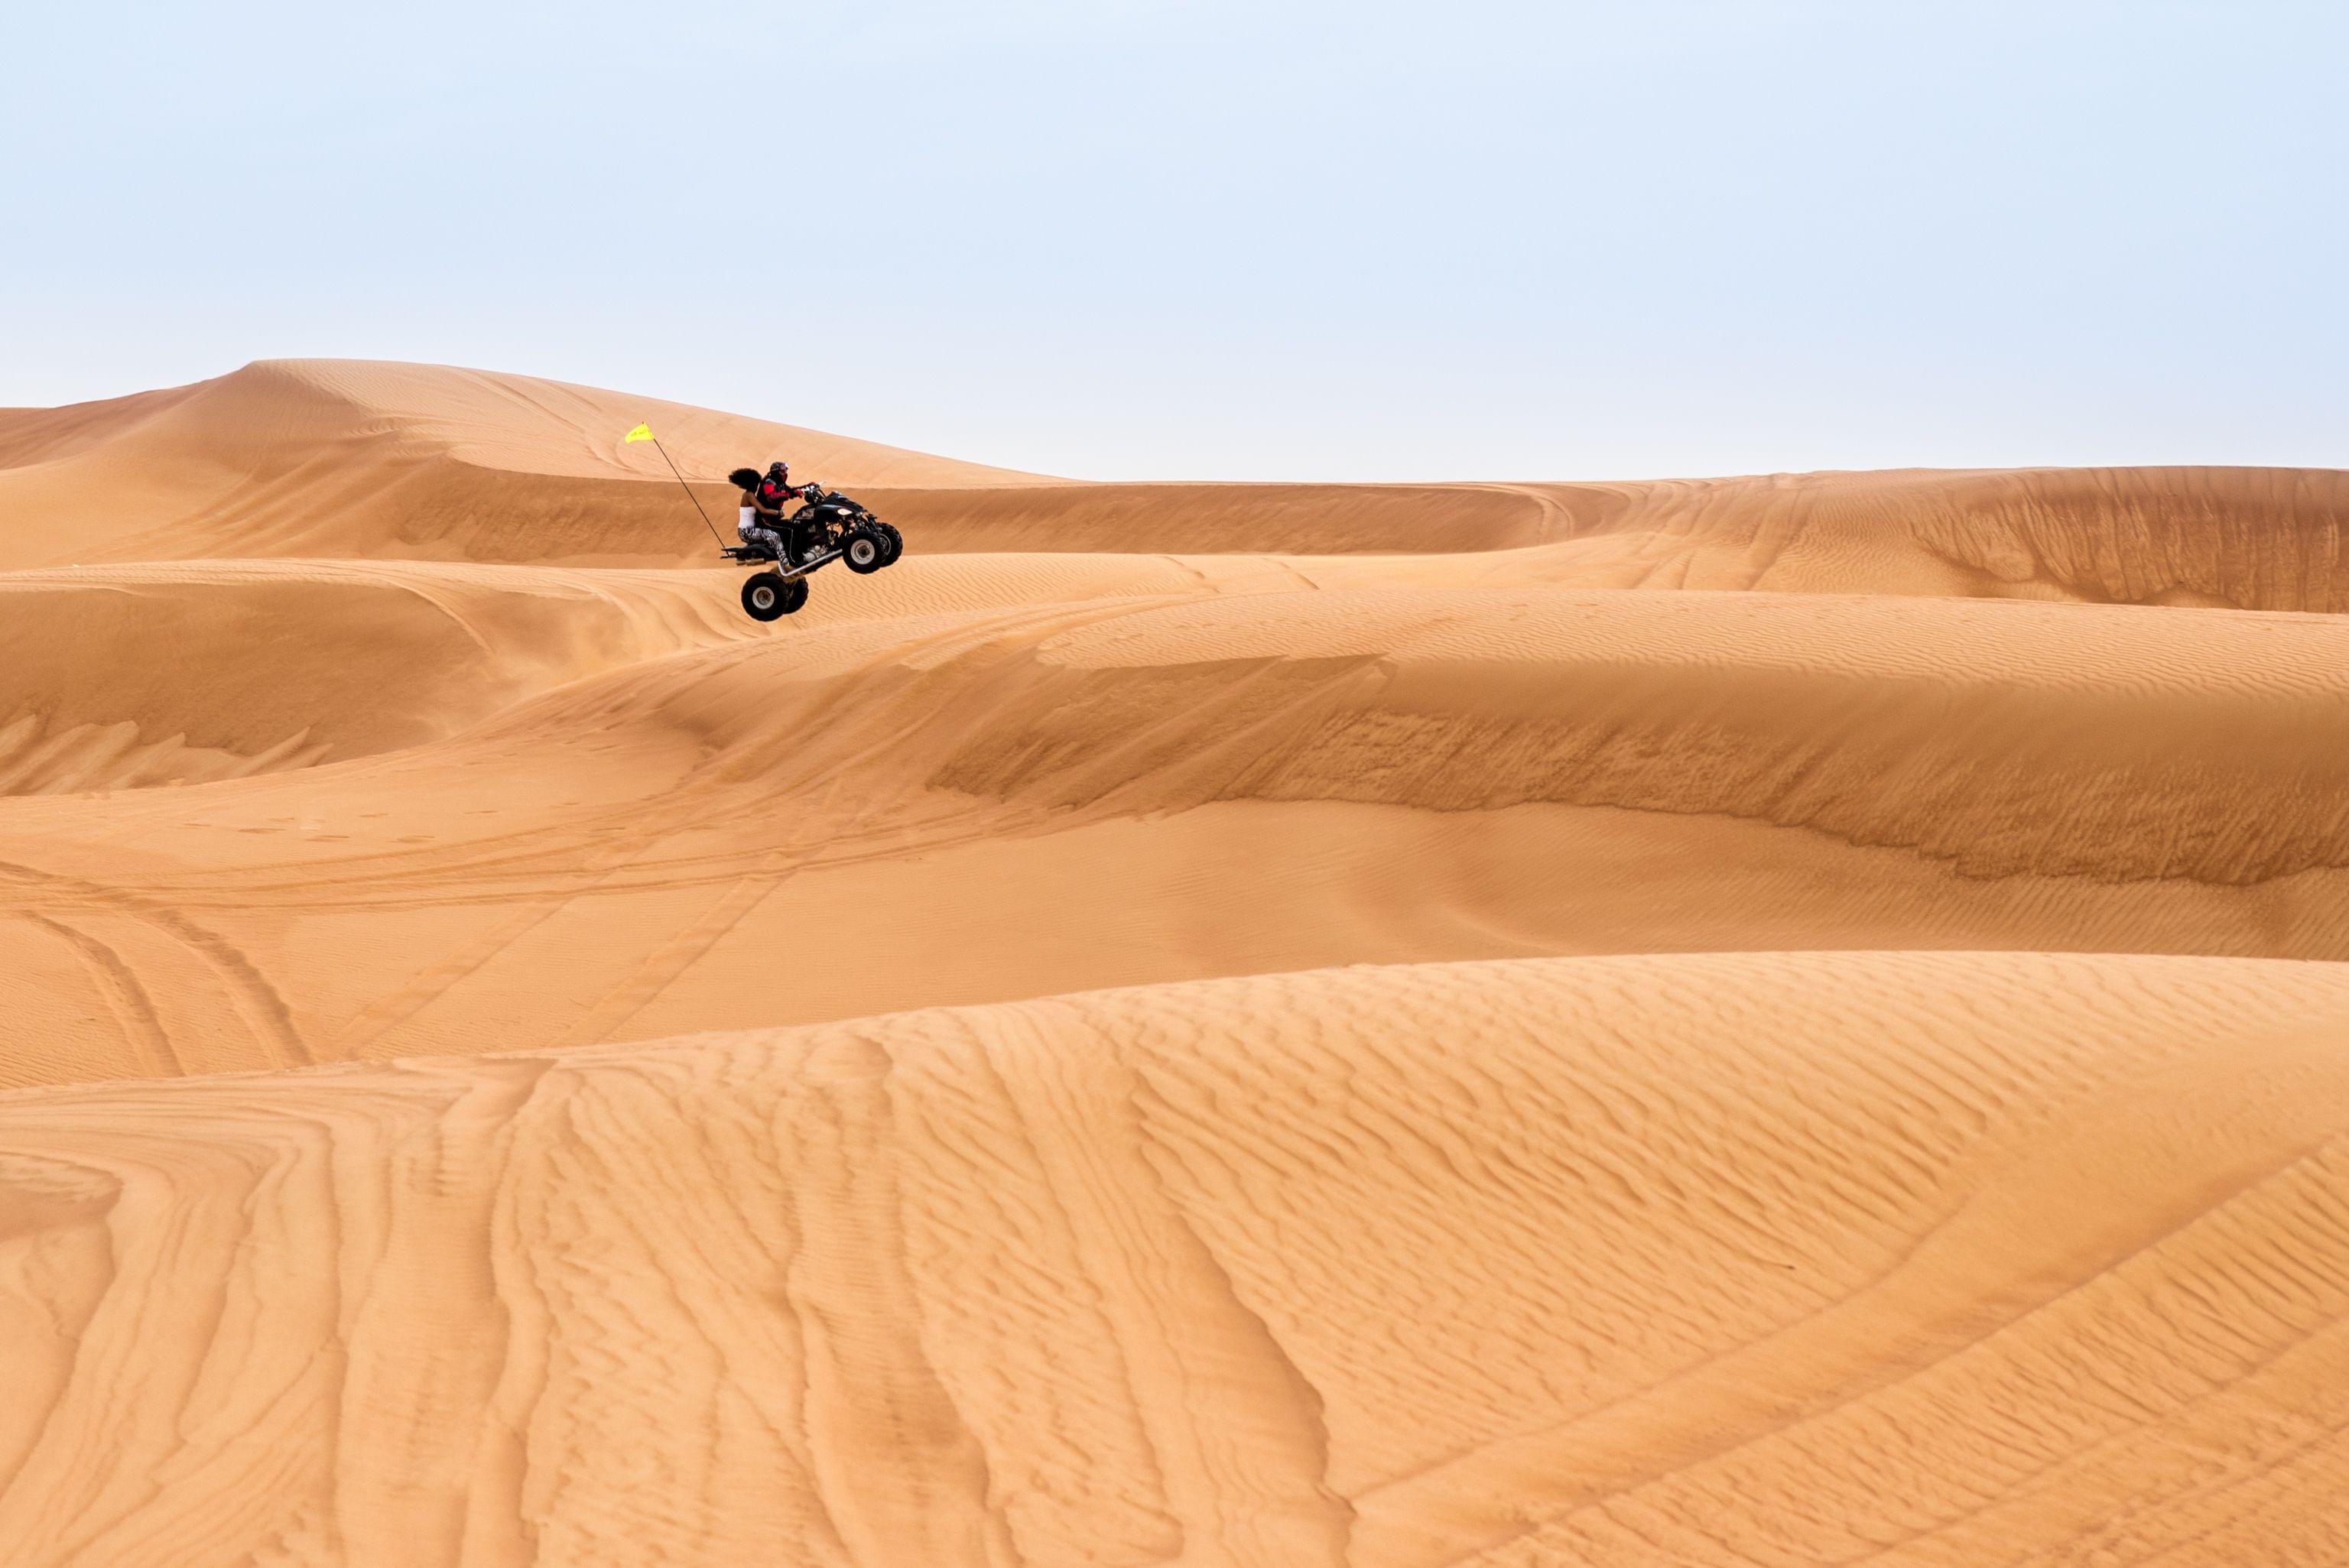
(286,665)
(1771,1021)
(1919,1258)
(954,805)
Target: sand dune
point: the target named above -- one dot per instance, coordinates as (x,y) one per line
(329,457)
(345,458)
(1975,1258)
(1785,1019)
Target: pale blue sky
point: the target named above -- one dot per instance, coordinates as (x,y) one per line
(1138,238)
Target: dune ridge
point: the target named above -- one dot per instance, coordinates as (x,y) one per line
(1785,1019)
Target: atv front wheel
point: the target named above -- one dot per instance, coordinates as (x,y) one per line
(895,541)
(767,597)
(865,550)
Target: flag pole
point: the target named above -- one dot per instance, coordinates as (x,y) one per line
(688,488)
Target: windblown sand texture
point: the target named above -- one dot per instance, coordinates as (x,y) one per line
(1767,1021)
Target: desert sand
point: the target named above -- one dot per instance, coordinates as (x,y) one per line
(1780,1020)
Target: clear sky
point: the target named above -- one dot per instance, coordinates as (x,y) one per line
(1229,237)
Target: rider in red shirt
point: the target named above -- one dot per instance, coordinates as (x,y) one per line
(762,522)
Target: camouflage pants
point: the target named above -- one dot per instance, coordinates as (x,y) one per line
(756,533)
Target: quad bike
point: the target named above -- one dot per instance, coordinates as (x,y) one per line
(829,527)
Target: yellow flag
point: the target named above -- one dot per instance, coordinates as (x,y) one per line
(641,433)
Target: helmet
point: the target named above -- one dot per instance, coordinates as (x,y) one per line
(779,470)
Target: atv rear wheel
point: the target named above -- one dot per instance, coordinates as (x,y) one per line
(769,597)
(864,549)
